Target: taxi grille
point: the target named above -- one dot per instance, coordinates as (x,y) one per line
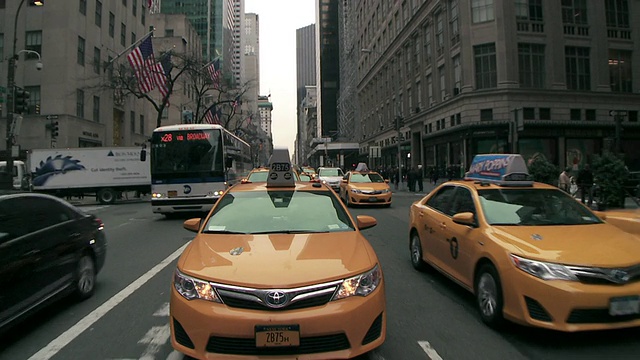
(308,345)
(372,192)
(596,275)
(289,299)
(598,316)
(536,311)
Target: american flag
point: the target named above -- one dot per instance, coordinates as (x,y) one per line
(161,75)
(214,72)
(154,6)
(143,63)
(212,116)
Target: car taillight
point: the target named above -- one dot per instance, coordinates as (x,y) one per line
(99,223)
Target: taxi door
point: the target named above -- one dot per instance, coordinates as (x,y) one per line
(461,240)
(433,217)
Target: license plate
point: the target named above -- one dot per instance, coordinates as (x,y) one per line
(624,305)
(172,193)
(278,335)
(373,199)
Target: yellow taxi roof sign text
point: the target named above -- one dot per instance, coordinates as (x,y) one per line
(280,169)
(500,169)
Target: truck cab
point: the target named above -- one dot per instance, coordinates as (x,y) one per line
(19,173)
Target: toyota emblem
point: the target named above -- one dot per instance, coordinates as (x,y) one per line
(276,299)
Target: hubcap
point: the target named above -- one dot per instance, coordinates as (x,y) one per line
(487,295)
(85,278)
(415,250)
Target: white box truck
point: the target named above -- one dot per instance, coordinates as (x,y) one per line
(20,178)
(105,172)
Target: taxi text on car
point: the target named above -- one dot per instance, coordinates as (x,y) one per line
(529,252)
(278,269)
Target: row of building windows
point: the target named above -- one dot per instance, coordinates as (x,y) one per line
(112,18)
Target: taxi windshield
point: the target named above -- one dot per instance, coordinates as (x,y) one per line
(257,176)
(367,178)
(330,172)
(528,207)
(279,211)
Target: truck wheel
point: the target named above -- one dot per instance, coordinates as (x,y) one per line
(106,196)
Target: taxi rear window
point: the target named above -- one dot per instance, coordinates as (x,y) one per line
(279,211)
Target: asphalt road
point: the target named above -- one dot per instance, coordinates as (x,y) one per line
(429,317)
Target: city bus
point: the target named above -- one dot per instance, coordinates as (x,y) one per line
(193,164)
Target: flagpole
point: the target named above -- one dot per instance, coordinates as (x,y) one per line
(128,48)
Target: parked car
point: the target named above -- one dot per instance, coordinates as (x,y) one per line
(48,249)
(278,270)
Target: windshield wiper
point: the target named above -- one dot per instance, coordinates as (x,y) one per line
(223,232)
(290,232)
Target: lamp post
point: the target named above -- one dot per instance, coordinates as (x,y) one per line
(6,179)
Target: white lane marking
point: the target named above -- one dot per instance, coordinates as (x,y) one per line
(374,355)
(163,311)
(175,355)
(65,338)
(431,352)
(155,338)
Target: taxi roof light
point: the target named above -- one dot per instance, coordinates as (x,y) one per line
(362,167)
(280,169)
(499,169)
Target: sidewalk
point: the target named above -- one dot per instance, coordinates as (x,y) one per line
(402,189)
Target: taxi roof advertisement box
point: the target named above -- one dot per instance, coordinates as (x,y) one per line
(505,169)
(88,167)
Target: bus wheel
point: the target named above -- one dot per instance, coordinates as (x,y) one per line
(106,196)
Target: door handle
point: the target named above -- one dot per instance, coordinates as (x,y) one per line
(443,226)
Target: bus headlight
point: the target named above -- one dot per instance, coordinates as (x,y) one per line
(157,195)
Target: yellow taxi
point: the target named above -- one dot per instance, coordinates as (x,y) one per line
(528,251)
(626,219)
(265,277)
(364,187)
(261,174)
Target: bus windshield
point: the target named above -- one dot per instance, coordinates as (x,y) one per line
(181,152)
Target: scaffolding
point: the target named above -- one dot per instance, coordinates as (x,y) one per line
(347,97)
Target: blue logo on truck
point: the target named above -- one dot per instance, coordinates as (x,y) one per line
(54,165)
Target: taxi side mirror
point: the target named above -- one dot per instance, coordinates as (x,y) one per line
(386,181)
(464,218)
(192,224)
(344,181)
(366,221)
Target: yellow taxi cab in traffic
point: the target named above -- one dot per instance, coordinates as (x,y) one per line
(365,187)
(261,174)
(528,251)
(266,277)
(626,219)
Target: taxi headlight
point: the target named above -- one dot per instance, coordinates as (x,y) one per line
(191,288)
(356,191)
(360,285)
(543,270)
(384,191)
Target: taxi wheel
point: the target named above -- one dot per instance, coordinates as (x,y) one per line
(416,253)
(85,281)
(489,296)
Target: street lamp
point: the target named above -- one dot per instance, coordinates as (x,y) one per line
(6,179)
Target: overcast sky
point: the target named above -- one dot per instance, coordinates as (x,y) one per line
(279,20)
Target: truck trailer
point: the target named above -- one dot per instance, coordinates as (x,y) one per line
(105,172)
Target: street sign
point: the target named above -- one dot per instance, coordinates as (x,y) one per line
(52,117)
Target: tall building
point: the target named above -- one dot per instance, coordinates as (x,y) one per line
(78,44)
(305,77)
(548,79)
(237,24)
(251,53)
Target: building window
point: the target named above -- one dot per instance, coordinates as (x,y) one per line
(96,109)
(112,24)
(133,38)
(1,46)
(124,3)
(452,121)
(33,42)
(529,10)
(455,24)
(633,116)
(620,70)
(80,103)
(168,33)
(486,114)
(575,114)
(482,10)
(528,113)
(123,34)
(96,60)
(98,13)
(143,18)
(81,45)
(427,44)
(577,68)
(430,90)
(574,12)
(134,7)
(545,113)
(457,75)
(531,65)
(590,114)
(109,67)
(132,121)
(142,124)
(485,66)
(443,84)
(83,7)
(440,33)
(617,12)
(458,118)
(34,101)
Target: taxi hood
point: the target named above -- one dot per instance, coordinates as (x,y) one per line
(601,245)
(277,260)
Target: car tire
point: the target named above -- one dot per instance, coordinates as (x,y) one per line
(415,248)
(489,300)
(85,277)
(106,196)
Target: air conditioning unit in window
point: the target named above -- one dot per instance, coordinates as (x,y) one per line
(456,91)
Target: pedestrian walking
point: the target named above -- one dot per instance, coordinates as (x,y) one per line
(564,181)
(585,184)
(419,178)
(434,175)
(411,179)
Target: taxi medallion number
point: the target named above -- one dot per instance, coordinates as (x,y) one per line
(172,193)
(273,336)
(280,167)
(625,305)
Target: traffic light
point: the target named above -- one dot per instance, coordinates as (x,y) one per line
(54,129)
(20,100)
